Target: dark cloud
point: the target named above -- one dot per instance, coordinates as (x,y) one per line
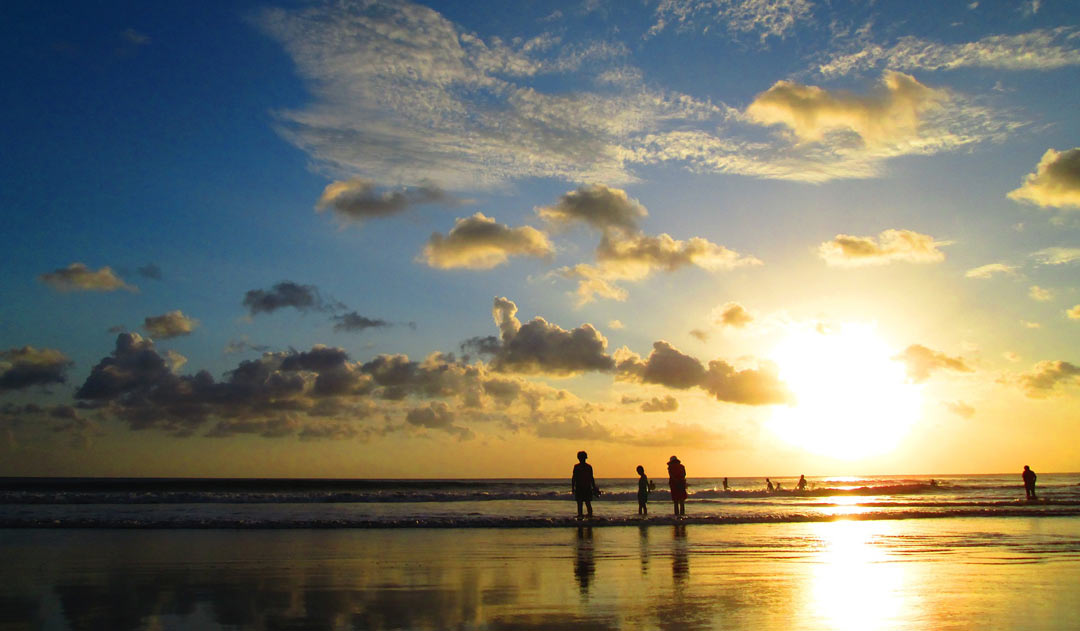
(150,270)
(28,366)
(241,345)
(57,419)
(699,335)
(169,325)
(266,428)
(1055,182)
(541,347)
(282,295)
(357,199)
(353,321)
(657,404)
(480,345)
(79,277)
(667,366)
(922,361)
(597,205)
(437,415)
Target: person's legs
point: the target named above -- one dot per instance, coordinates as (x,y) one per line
(588,507)
(579,502)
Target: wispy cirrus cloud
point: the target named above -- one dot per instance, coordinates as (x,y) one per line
(763,18)
(1056,255)
(990,270)
(1040,49)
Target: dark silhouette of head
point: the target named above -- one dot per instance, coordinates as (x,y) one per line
(1026,468)
(640,470)
(673,460)
(581,456)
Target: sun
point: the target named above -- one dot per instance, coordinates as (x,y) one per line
(852,399)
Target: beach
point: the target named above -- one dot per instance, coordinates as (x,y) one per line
(959,573)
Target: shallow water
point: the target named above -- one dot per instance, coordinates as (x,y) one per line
(955,573)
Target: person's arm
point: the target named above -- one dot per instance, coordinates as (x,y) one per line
(573,481)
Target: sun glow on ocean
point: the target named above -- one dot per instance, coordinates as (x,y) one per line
(852,399)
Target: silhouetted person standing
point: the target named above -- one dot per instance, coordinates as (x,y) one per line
(768,485)
(642,492)
(802,483)
(725,485)
(677,482)
(583,484)
(1029,482)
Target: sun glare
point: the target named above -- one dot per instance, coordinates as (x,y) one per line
(852,399)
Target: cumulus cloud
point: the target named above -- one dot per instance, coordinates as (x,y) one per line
(732,314)
(437,415)
(282,295)
(616,324)
(891,245)
(764,18)
(699,335)
(353,321)
(990,270)
(922,361)
(657,404)
(1040,294)
(1056,256)
(1073,313)
(478,242)
(1055,182)
(597,205)
(168,325)
(572,427)
(79,277)
(541,347)
(887,116)
(669,367)
(1040,49)
(1047,378)
(960,408)
(635,257)
(357,199)
(28,366)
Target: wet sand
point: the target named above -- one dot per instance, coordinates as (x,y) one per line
(989,573)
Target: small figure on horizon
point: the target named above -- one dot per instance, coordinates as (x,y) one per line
(642,492)
(725,485)
(583,484)
(1029,482)
(779,487)
(768,485)
(802,483)
(677,482)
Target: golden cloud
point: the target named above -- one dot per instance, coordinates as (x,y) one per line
(479,242)
(1055,182)
(891,245)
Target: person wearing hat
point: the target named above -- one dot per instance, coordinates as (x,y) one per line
(677,482)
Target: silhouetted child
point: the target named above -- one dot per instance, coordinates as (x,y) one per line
(642,491)
(802,483)
(583,484)
(725,485)
(768,485)
(1029,482)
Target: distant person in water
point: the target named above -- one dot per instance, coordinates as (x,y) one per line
(779,486)
(768,485)
(725,485)
(583,484)
(642,492)
(677,481)
(1029,482)
(802,483)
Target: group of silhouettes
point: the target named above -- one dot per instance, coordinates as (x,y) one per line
(583,486)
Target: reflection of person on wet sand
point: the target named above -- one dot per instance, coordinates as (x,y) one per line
(1029,482)
(677,483)
(643,485)
(583,484)
(680,558)
(584,564)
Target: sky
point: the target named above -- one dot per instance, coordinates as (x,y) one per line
(468,239)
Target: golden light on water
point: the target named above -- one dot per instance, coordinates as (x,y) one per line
(852,399)
(855,586)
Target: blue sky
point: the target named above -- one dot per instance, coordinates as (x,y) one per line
(699,198)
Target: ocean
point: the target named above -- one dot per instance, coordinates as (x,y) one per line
(850,553)
(312,503)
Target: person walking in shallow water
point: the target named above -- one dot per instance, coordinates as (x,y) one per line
(643,485)
(1029,482)
(677,483)
(583,484)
